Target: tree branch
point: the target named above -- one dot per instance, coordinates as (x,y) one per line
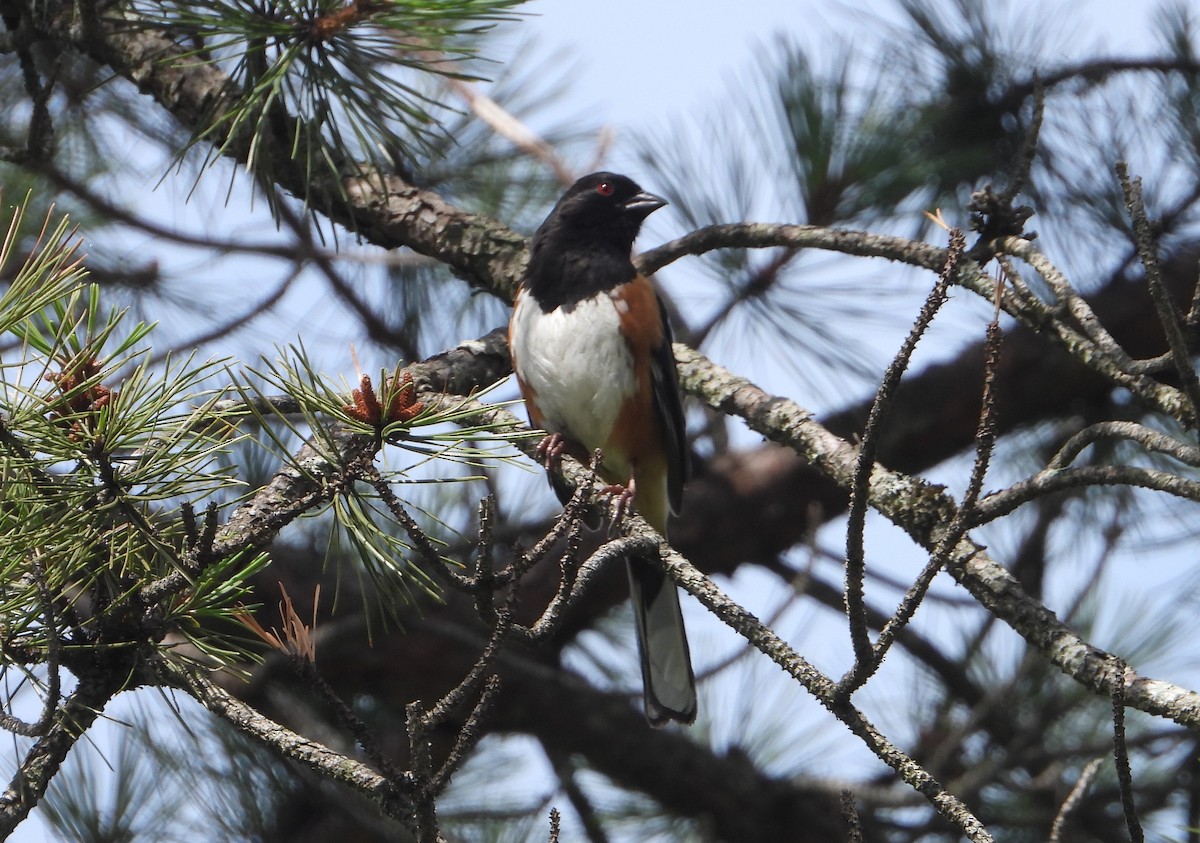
(924,511)
(43,760)
(286,743)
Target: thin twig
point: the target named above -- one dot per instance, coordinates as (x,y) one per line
(478,675)
(567,526)
(1151,440)
(434,563)
(508,126)
(564,768)
(11,722)
(45,757)
(1192,320)
(1025,155)
(999,504)
(1168,316)
(864,656)
(1073,799)
(424,804)
(468,735)
(985,438)
(485,539)
(854,832)
(1121,754)
(607,554)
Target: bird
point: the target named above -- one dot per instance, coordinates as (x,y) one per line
(591,349)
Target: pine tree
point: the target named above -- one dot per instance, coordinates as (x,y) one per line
(262,505)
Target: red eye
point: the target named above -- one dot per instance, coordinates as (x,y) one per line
(605,188)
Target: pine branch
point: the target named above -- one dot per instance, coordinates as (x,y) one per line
(394,797)
(383,208)
(924,511)
(43,760)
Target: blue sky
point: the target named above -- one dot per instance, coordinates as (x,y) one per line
(641,60)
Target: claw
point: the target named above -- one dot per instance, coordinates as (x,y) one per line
(622,500)
(550,450)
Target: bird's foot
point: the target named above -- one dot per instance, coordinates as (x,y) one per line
(550,450)
(622,500)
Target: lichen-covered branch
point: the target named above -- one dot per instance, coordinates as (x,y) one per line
(924,511)
(42,761)
(317,757)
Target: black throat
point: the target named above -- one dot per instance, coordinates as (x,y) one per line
(568,264)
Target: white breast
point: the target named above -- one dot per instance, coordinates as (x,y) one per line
(577,363)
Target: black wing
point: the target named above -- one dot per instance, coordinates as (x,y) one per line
(668,403)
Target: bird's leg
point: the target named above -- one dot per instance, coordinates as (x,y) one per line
(550,450)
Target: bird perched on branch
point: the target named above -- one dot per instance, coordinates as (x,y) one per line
(591,348)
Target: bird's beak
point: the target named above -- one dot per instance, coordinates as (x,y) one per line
(644,203)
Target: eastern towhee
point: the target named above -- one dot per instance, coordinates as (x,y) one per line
(591,348)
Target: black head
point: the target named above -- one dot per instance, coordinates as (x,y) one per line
(609,206)
(584,246)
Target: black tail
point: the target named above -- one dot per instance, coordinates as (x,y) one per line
(668,682)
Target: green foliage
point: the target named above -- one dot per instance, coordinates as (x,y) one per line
(814,146)
(852,153)
(1178,25)
(93,806)
(327,83)
(321,412)
(375,535)
(105,458)
(99,452)
(50,272)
